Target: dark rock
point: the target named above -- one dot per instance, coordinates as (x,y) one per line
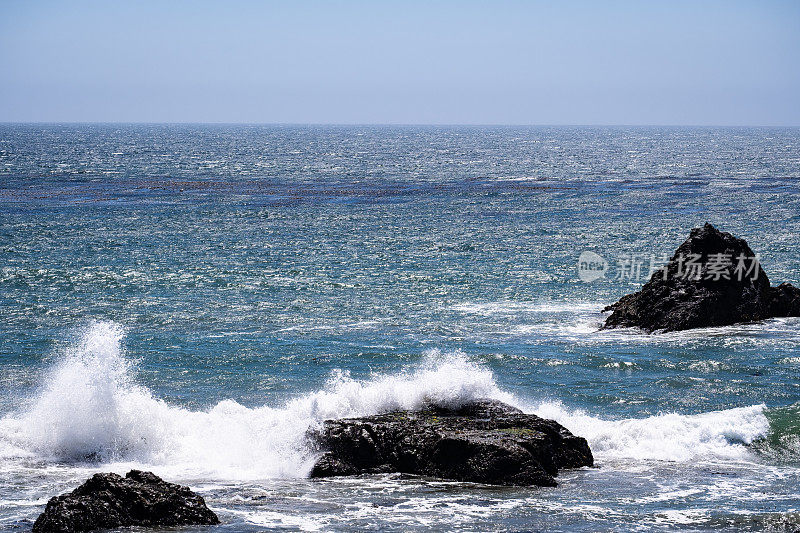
(109,501)
(483,441)
(699,289)
(784,301)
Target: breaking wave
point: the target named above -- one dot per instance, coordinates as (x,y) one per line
(89,407)
(670,437)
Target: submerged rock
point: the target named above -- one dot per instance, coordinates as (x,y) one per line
(109,501)
(713,279)
(484,441)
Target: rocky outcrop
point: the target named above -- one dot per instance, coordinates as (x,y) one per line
(483,441)
(784,300)
(110,501)
(713,279)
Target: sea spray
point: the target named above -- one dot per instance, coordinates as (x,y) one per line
(88,405)
(90,409)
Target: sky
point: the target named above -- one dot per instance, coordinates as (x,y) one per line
(413,62)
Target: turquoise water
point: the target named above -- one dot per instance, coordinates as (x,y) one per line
(192,299)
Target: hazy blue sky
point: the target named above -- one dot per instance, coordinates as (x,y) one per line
(636,62)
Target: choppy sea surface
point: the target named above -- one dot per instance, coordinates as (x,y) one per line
(193,299)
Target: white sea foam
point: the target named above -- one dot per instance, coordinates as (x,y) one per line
(90,406)
(510,307)
(669,437)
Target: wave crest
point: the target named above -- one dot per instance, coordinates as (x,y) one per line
(667,437)
(89,407)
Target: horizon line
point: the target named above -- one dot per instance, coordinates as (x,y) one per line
(392,124)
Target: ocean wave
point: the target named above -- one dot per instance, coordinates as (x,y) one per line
(90,408)
(724,434)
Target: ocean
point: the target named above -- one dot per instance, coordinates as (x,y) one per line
(193,299)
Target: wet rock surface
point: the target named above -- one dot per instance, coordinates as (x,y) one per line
(109,501)
(483,441)
(713,279)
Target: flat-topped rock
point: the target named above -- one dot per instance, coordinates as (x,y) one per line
(713,279)
(108,501)
(483,441)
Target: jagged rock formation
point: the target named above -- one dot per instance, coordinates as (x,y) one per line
(484,441)
(713,279)
(110,501)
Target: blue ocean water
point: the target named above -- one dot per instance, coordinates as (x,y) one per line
(192,299)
